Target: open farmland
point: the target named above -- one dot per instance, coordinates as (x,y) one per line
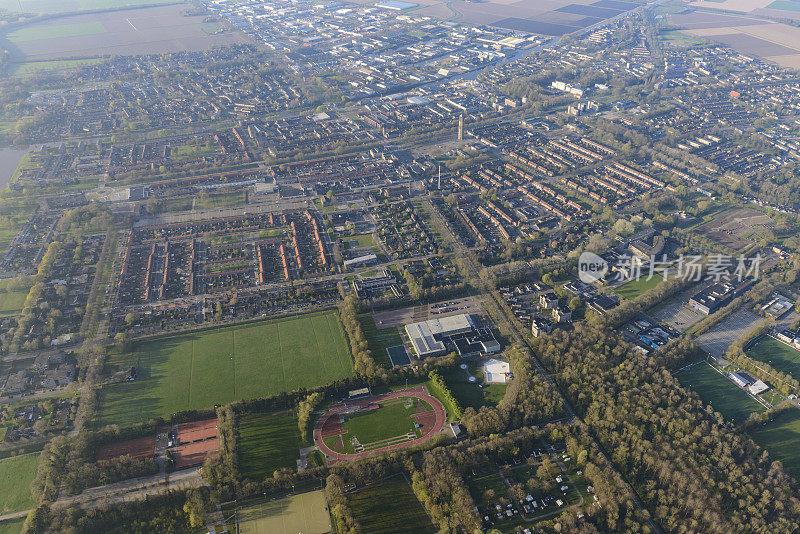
(779,355)
(136,31)
(389,507)
(715,389)
(780,437)
(199,370)
(267,442)
(16,475)
(306,513)
(70,6)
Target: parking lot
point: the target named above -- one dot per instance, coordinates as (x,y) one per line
(717,340)
(436,310)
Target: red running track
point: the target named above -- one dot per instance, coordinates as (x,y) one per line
(326,423)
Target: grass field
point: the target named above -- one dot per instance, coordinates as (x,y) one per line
(55,31)
(468,393)
(64,6)
(681,38)
(306,513)
(13,526)
(781,437)
(32,67)
(389,507)
(267,442)
(634,288)
(16,474)
(779,355)
(385,422)
(11,301)
(478,488)
(379,340)
(199,370)
(723,395)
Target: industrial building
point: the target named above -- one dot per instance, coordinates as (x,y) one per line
(435,337)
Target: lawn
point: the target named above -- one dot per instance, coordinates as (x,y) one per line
(11,301)
(718,391)
(218,366)
(681,38)
(16,475)
(781,437)
(379,340)
(194,150)
(387,421)
(267,442)
(306,513)
(389,507)
(634,288)
(55,31)
(479,488)
(469,393)
(12,526)
(32,67)
(779,355)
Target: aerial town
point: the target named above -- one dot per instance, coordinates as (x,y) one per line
(277,266)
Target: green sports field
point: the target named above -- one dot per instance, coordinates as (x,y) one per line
(723,395)
(32,67)
(389,507)
(16,475)
(379,339)
(199,370)
(781,438)
(267,442)
(634,288)
(11,301)
(306,513)
(55,31)
(779,355)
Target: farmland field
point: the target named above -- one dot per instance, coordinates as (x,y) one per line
(199,370)
(157,29)
(16,474)
(780,437)
(55,31)
(779,355)
(306,513)
(69,6)
(389,507)
(267,442)
(723,395)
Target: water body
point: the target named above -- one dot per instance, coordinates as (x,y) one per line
(9,159)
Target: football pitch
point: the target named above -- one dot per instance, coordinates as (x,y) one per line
(723,395)
(16,475)
(306,513)
(634,288)
(218,366)
(267,441)
(389,507)
(780,437)
(779,355)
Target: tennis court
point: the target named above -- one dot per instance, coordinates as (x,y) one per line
(398,355)
(306,513)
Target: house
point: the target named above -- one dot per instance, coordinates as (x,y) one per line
(562,314)
(497,371)
(548,300)
(541,326)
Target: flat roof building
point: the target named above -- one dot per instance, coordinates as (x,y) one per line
(428,337)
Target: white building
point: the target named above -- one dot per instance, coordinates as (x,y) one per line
(497,371)
(427,337)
